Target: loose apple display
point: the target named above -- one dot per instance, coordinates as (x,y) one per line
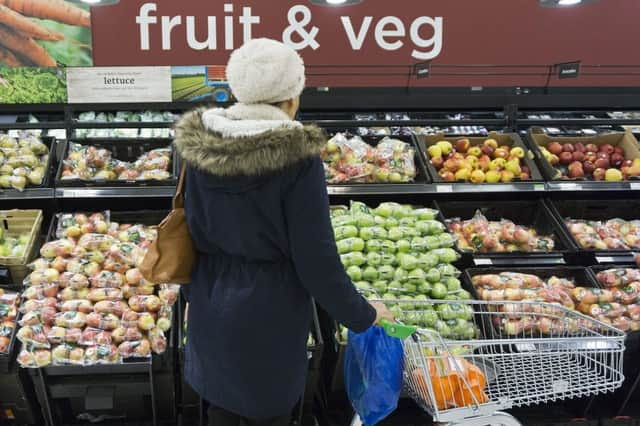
(617,308)
(401,253)
(9,302)
(483,236)
(352,160)
(90,163)
(23,161)
(614,234)
(484,163)
(595,162)
(86,301)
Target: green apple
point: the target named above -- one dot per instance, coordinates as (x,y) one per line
(350,244)
(432,275)
(386,272)
(407,221)
(400,275)
(23,239)
(403,246)
(447,270)
(409,288)
(395,233)
(354,258)
(346,220)
(374,258)
(422,226)
(364,220)
(463,295)
(370,273)
(429,318)
(408,232)
(417,276)
(380,287)
(402,211)
(453,284)
(427,261)
(425,288)
(379,232)
(439,291)
(374,245)
(343,232)
(446,255)
(354,272)
(339,211)
(385,209)
(387,259)
(363,286)
(425,214)
(358,207)
(408,262)
(442,328)
(446,312)
(387,246)
(432,242)
(391,222)
(446,240)
(419,244)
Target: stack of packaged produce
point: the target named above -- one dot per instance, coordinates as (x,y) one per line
(9,302)
(614,305)
(613,234)
(23,161)
(403,255)
(352,160)
(87,303)
(95,163)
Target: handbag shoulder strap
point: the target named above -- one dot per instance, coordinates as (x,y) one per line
(178,199)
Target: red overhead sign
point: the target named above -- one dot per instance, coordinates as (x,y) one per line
(381,39)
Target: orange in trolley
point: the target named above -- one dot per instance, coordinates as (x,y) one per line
(449,389)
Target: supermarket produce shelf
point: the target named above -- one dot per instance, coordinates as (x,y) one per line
(136,367)
(114,192)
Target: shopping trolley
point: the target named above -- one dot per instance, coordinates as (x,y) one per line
(524,353)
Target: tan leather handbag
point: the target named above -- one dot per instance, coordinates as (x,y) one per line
(171,256)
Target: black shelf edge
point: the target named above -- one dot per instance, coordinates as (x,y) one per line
(34,126)
(123,125)
(572,186)
(123,368)
(27,194)
(576,121)
(406,123)
(115,192)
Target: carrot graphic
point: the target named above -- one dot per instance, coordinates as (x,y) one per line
(56,10)
(7,57)
(26,47)
(19,23)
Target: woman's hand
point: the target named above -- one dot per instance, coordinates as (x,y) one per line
(382,312)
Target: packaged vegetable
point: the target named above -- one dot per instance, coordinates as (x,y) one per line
(71,319)
(33,335)
(100,294)
(34,358)
(101,354)
(98,242)
(111,307)
(74,225)
(103,321)
(137,349)
(57,335)
(38,304)
(62,247)
(41,291)
(126,334)
(107,279)
(95,336)
(71,294)
(145,303)
(80,305)
(157,340)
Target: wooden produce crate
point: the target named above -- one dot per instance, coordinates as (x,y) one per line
(15,223)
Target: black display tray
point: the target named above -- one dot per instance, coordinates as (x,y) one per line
(581,276)
(510,139)
(7,358)
(536,137)
(600,210)
(528,213)
(124,150)
(422,175)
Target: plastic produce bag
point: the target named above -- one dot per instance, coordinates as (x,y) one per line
(373,374)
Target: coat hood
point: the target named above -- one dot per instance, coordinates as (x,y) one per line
(244,140)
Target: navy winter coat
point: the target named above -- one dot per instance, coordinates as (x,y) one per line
(258,213)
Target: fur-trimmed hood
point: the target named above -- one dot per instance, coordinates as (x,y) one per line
(244,140)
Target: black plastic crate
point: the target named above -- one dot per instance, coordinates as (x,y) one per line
(537,138)
(422,175)
(18,402)
(124,150)
(581,276)
(510,139)
(528,213)
(596,210)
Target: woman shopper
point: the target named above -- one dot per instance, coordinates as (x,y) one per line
(258,212)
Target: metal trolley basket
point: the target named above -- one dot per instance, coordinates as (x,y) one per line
(525,353)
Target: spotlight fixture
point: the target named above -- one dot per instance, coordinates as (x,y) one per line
(95,2)
(335,3)
(564,3)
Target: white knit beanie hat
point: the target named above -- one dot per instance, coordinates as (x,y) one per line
(265,71)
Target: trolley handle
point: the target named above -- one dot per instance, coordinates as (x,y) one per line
(398,330)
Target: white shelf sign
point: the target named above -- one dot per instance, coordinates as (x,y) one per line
(119,84)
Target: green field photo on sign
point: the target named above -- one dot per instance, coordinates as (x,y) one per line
(32,85)
(199,83)
(45,35)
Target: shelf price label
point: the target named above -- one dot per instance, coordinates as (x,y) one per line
(569,186)
(634,185)
(444,188)
(482,261)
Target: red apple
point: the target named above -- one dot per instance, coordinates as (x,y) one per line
(437,162)
(607,147)
(554,148)
(598,174)
(487,150)
(591,147)
(577,171)
(447,176)
(627,163)
(590,156)
(566,158)
(568,147)
(618,150)
(602,163)
(588,167)
(580,147)
(617,159)
(462,145)
(578,156)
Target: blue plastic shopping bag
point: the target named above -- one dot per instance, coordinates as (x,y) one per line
(373,374)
